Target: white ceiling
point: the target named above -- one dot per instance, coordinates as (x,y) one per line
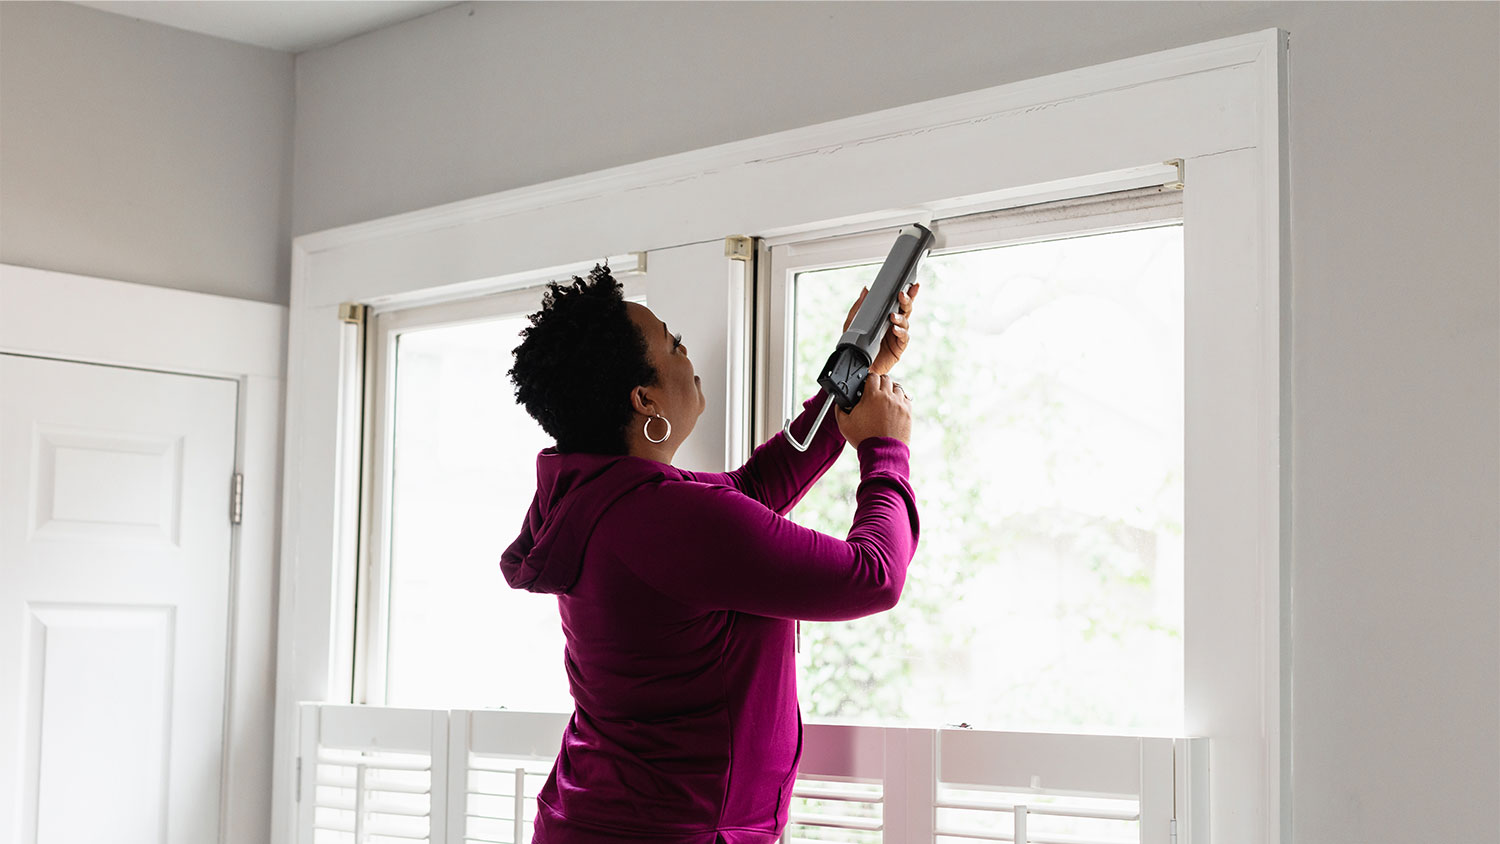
(287,25)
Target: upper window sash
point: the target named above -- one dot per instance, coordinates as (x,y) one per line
(397,320)
(785,257)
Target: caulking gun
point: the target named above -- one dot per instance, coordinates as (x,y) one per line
(843,377)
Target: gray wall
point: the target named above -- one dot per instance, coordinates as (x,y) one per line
(133,151)
(1395,353)
(136,152)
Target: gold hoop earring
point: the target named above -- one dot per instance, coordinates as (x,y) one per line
(663,436)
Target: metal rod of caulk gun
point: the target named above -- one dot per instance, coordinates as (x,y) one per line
(843,376)
(786,428)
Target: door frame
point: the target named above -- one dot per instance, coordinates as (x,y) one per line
(93,320)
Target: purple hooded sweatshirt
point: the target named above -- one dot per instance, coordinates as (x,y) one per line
(678,592)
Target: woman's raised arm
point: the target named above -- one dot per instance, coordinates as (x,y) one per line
(717,550)
(778,475)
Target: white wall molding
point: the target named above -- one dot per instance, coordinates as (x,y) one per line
(72,317)
(1217,105)
(119,322)
(680,199)
(820,139)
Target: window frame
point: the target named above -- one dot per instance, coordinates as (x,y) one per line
(1219,106)
(372,592)
(1098,214)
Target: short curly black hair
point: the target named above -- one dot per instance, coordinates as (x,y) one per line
(578,362)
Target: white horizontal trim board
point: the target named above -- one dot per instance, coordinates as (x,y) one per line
(1217,106)
(454,752)
(116,322)
(973,107)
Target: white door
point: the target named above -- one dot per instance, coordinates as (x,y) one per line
(114,587)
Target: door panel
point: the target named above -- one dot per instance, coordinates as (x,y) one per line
(115,558)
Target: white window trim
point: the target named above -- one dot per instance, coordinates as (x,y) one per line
(1218,106)
(371,628)
(80,318)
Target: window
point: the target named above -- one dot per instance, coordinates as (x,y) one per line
(1048,457)
(1047,369)
(456,465)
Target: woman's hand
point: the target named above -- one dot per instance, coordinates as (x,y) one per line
(896,337)
(884,410)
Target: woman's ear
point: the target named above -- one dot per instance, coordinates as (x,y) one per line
(640,402)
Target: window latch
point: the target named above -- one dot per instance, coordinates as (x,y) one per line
(1179,184)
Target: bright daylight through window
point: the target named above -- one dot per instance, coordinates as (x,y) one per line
(464,474)
(1047,457)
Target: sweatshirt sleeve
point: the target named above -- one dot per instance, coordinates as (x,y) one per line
(713,548)
(778,475)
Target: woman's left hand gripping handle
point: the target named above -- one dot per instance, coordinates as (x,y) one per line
(896,339)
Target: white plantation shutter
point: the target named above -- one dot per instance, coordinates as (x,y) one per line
(372,775)
(850,811)
(873,785)
(1055,788)
(498,762)
(841,789)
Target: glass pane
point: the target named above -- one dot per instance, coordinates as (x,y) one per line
(464,476)
(1047,458)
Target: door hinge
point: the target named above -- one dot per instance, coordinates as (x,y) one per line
(298,787)
(237,498)
(739,247)
(1174,831)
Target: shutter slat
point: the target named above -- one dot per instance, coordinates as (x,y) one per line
(1060,811)
(836,822)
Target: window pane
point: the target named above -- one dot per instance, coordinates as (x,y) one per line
(464,476)
(1047,458)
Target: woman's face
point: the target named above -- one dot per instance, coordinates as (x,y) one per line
(678,393)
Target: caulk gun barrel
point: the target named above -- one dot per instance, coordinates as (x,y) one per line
(869,325)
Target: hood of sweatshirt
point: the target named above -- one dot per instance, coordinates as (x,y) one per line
(572,492)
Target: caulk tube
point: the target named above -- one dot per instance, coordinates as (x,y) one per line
(843,376)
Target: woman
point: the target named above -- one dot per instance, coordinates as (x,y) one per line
(679,590)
